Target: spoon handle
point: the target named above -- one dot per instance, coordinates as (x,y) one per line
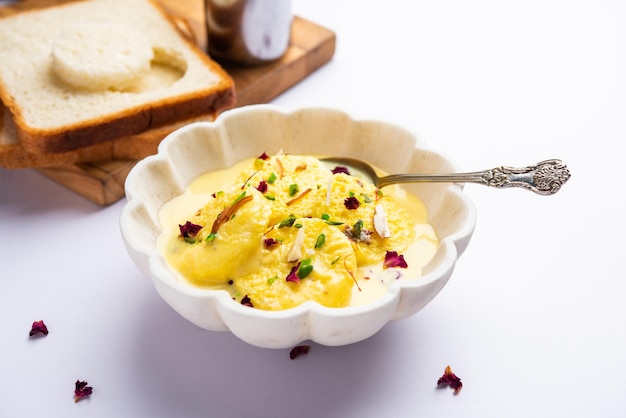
(544,178)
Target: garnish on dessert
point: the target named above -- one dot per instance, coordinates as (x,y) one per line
(351,203)
(287,222)
(357,233)
(293,189)
(189,230)
(293,276)
(393,259)
(340,169)
(305,268)
(228,213)
(326,218)
(381,224)
(296,232)
(270,242)
(262,187)
(247,182)
(246,301)
(299,197)
(320,240)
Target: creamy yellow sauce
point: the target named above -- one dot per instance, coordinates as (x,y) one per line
(370,281)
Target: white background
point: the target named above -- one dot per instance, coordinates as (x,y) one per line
(532,319)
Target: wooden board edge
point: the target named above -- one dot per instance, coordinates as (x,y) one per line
(102,183)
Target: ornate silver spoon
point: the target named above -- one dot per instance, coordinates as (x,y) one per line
(544,178)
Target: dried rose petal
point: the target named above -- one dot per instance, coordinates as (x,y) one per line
(351,203)
(298,350)
(263,157)
(270,242)
(81,390)
(451,380)
(341,169)
(292,276)
(393,259)
(38,327)
(246,301)
(189,229)
(262,187)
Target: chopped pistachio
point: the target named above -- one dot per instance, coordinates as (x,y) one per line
(287,222)
(319,242)
(305,268)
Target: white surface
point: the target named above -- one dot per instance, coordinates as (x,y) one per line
(248,132)
(532,319)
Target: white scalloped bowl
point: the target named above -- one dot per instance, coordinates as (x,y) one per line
(248,132)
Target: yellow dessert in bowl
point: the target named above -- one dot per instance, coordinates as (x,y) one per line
(241,228)
(287,230)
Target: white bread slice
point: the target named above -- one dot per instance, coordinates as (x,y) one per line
(52,115)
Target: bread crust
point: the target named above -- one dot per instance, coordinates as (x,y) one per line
(206,101)
(132,122)
(133,147)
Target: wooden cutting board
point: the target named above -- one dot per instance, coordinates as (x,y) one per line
(311,46)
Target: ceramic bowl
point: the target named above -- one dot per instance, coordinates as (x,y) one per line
(248,132)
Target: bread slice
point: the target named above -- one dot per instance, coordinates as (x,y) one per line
(134,147)
(60,104)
